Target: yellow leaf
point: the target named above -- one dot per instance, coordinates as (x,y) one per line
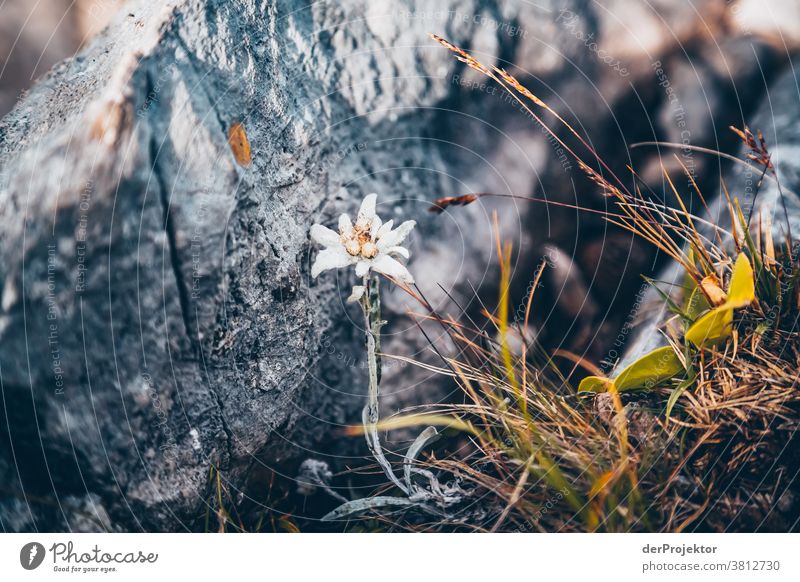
(601,483)
(715,325)
(742,290)
(649,370)
(287,525)
(594,384)
(412,420)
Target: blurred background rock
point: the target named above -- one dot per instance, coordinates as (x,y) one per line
(35,35)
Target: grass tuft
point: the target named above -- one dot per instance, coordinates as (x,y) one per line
(699,435)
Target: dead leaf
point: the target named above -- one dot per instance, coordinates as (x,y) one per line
(240,145)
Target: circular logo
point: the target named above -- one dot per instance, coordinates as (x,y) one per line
(31,555)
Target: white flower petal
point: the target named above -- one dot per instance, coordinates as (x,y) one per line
(367,211)
(357,294)
(345,226)
(389,266)
(324,236)
(331,258)
(387,226)
(376,225)
(396,236)
(402,251)
(362,268)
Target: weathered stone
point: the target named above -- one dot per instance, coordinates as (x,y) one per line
(157,317)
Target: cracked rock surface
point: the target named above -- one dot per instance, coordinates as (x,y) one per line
(157,319)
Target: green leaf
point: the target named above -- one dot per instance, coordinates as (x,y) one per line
(714,326)
(762,328)
(696,305)
(748,239)
(671,305)
(679,390)
(649,370)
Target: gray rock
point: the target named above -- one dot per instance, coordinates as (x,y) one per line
(157,318)
(156,313)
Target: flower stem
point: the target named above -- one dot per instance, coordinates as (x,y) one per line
(370,304)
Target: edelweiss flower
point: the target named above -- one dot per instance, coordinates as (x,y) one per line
(370,244)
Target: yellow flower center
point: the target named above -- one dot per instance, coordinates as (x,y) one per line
(369,250)
(352,247)
(359,242)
